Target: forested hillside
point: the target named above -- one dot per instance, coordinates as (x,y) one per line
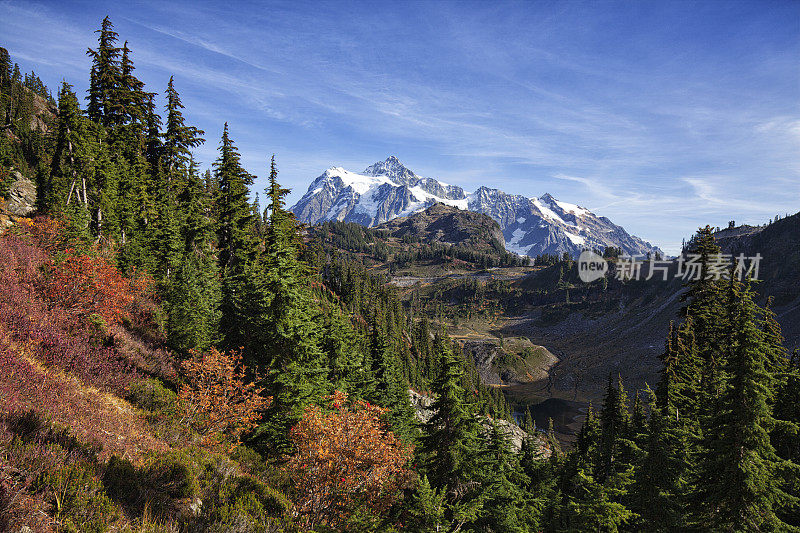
(173,358)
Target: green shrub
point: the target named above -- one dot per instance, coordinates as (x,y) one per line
(98,332)
(123,483)
(79,499)
(244,504)
(158,485)
(173,474)
(152,395)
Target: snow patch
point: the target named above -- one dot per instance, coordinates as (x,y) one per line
(517,236)
(576,239)
(572,208)
(547,212)
(358,182)
(513,244)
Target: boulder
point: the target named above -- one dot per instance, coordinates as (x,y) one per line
(515,435)
(20,200)
(21,196)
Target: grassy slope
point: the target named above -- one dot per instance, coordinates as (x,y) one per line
(65,385)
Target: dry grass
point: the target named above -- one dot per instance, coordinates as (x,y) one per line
(93,416)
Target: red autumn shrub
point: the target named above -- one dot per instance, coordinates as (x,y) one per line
(345,458)
(46,330)
(86,285)
(46,232)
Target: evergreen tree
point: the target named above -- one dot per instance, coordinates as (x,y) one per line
(450,445)
(66,184)
(235,241)
(170,177)
(777,358)
(6,69)
(234,233)
(528,423)
(785,436)
(593,504)
(427,508)
(178,141)
(391,388)
(506,507)
(132,99)
(596,505)
(258,220)
(738,484)
(345,360)
(194,301)
(658,494)
(542,476)
(616,447)
(283,326)
(153,142)
(705,296)
(106,78)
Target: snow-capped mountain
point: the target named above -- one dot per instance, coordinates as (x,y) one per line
(531,226)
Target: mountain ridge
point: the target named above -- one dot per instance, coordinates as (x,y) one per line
(534,226)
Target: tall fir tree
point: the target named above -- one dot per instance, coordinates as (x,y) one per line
(194,300)
(235,229)
(283,329)
(738,483)
(785,436)
(106,78)
(594,491)
(66,178)
(178,141)
(450,446)
(391,388)
(658,493)
(506,505)
(704,299)
(171,178)
(235,241)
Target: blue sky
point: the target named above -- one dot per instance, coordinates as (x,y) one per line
(660,115)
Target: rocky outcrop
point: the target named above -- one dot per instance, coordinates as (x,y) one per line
(444,224)
(20,200)
(424,411)
(497,366)
(484,353)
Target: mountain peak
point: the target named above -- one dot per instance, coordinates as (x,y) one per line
(530,226)
(391,167)
(547,197)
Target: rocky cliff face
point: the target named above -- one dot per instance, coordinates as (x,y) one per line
(530,226)
(422,406)
(20,200)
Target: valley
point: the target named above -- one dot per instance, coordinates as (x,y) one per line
(534,330)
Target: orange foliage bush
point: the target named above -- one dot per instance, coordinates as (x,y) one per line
(345,458)
(46,232)
(216,401)
(86,285)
